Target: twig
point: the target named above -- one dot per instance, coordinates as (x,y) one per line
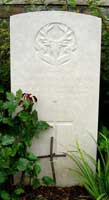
(54,155)
(51,160)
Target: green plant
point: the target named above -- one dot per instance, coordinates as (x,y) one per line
(103,144)
(6,1)
(96,183)
(4,59)
(19,123)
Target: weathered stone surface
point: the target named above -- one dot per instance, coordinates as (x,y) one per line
(79,2)
(56,56)
(5,12)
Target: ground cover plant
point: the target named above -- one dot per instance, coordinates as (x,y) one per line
(96,183)
(19,123)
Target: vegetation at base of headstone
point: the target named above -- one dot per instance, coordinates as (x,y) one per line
(19,123)
(102,142)
(96,183)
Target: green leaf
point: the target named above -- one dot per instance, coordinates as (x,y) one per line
(26,104)
(30,156)
(15,148)
(72,3)
(1,89)
(2,177)
(105,131)
(22,164)
(102,196)
(7,151)
(19,191)
(7,121)
(1,104)
(4,195)
(24,116)
(7,140)
(36,183)
(42,125)
(19,94)
(7,1)
(34,117)
(10,96)
(37,169)
(4,162)
(47,180)
(10,106)
(1,117)
(30,167)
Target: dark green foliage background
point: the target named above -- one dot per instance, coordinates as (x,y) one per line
(4,58)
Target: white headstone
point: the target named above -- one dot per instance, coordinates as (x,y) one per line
(55,55)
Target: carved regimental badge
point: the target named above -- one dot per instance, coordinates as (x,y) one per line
(55,43)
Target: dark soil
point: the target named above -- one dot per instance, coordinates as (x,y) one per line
(57,193)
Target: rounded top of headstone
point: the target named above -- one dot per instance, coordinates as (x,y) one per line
(55,13)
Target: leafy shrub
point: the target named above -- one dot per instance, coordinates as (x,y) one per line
(19,123)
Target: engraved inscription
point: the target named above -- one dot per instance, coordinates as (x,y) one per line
(55,43)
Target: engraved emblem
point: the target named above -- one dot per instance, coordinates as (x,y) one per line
(55,43)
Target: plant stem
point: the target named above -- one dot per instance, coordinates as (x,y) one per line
(22,178)
(67,6)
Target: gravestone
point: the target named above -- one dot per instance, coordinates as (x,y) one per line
(55,55)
